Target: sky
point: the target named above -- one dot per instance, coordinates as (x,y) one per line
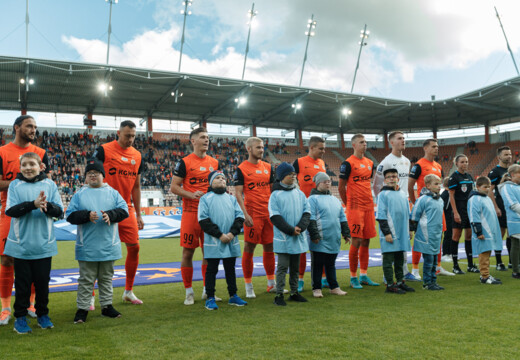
(416,49)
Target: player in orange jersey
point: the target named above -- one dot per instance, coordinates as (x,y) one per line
(356,192)
(122,164)
(425,166)
(25,129)
(253,180)
(306,167)
(190,181)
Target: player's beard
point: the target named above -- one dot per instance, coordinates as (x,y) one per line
(25,137)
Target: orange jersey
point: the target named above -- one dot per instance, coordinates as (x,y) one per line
(256,180)
(422,168)
(10,163)
(122,167)
(306,167)
(358,173)
(194,171)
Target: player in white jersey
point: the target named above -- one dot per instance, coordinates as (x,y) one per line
(395,160)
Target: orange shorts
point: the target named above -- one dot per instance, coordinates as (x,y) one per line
(5,225)
(192,235)
(362,223)
(128,230)
(260,233)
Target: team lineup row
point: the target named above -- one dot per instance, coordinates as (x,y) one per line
(272,209)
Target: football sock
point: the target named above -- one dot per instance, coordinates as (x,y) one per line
(303,265)
(33,295)
(131,263)
(187,276)
(416,259)
(6,285)
(203,269)
(269,264)
(353,255)
(247,266)
(363,260)
(498,256)
(455,252)
(469,252)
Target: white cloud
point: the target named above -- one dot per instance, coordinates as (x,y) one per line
(406,36)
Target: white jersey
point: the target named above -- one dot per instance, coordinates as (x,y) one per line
(401,164)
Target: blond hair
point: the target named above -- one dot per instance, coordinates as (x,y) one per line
(430,178)
(252,140)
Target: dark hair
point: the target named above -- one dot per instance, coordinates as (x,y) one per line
(502,148)
(390,171)
(19,120)
(127,123)
(428,141)
(394,133)
(198,131)
(482,180)
(315,140)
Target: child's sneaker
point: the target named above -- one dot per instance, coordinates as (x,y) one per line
(45,322)
(437,287)
(92,306)
(354,283)
(473,269)
(236,301)
(490,281)
(129,296)
(31,311)
(5,316)
(110,312)
(211,304)
(411,277)
(429,287)
(338,291)
(297,298)
(402,285)
(458,271)
(81,316)
(324,283)
(365,280)
(394,289)
(21,326)
(317,293)
(513,275)
(300,285)
(279,300)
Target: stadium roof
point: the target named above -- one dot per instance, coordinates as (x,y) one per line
(72,87)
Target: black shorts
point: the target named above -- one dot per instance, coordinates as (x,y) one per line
(462,208)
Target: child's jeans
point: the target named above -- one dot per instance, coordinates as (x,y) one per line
(29,272)
(285,262)
(483,263)
(89,271)
(211,276)
(429,267)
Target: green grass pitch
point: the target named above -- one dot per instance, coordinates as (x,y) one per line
(467,320)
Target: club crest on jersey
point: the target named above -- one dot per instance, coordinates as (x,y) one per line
(266,172)
(124,159)
(132,162)
(258,171)
(210,168)
(464,188)
(369,167)
(202,168)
